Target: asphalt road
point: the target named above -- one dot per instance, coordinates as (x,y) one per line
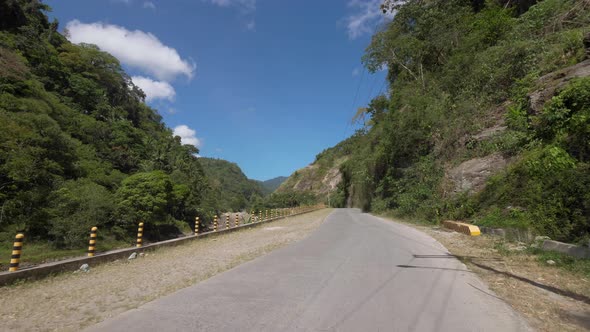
(354,273)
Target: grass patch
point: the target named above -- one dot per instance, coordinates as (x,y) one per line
(576,265)
(502,249)
(506,218)
(392,215)
(43,252)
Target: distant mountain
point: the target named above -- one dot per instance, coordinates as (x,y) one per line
(272,184)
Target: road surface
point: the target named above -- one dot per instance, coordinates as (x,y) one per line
(355,273)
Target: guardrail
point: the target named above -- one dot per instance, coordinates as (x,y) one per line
(43,270)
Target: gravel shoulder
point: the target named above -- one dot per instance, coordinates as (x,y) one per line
(72,301)
(550,298)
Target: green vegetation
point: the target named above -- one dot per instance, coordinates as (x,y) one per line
(567,262)
(80,148)
(317,179)
(580,266)
(231,190)
(229,186)
(285,199)
(455,68)
(272,184)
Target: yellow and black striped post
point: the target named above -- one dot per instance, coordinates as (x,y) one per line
(252,216)
(259,215)
(140,235)
(227,221)
(237,219)
(266,217)
(92,242)
(17,248)
(215,224)
(197,226)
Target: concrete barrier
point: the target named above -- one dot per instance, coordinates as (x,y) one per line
(44,270)
(510,234)
(464,228)
(566,248)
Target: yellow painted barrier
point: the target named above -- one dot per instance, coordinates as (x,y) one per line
(227,221)
(92,242)
(215,224)
(197,226)
(461,227)
(237,219)
(140,235)
(17,249)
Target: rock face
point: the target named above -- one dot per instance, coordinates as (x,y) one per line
(314,178)
(471,175)
(489,133)
(555,81)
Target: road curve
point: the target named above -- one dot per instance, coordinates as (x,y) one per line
(355,273)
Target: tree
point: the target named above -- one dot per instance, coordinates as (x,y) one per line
(76,207)
(146,196)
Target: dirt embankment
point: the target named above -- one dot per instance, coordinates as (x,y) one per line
(550,298)
(72,301)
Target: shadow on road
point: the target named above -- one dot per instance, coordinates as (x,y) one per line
(461,258)
(431,268)
(562,292)
(474,260)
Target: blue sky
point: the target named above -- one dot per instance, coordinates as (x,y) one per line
(267,84)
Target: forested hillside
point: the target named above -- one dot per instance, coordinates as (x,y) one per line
(323,175)
(272,184)
(486,119)
(230,188)
(78,145)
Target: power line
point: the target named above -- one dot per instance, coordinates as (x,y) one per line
(369,97)
(382,86)
(349,123)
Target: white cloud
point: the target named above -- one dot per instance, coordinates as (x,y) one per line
(154,89)
(251,25)
(187,135)
(368,15)
(149,5)
(134,48)
(245,6)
